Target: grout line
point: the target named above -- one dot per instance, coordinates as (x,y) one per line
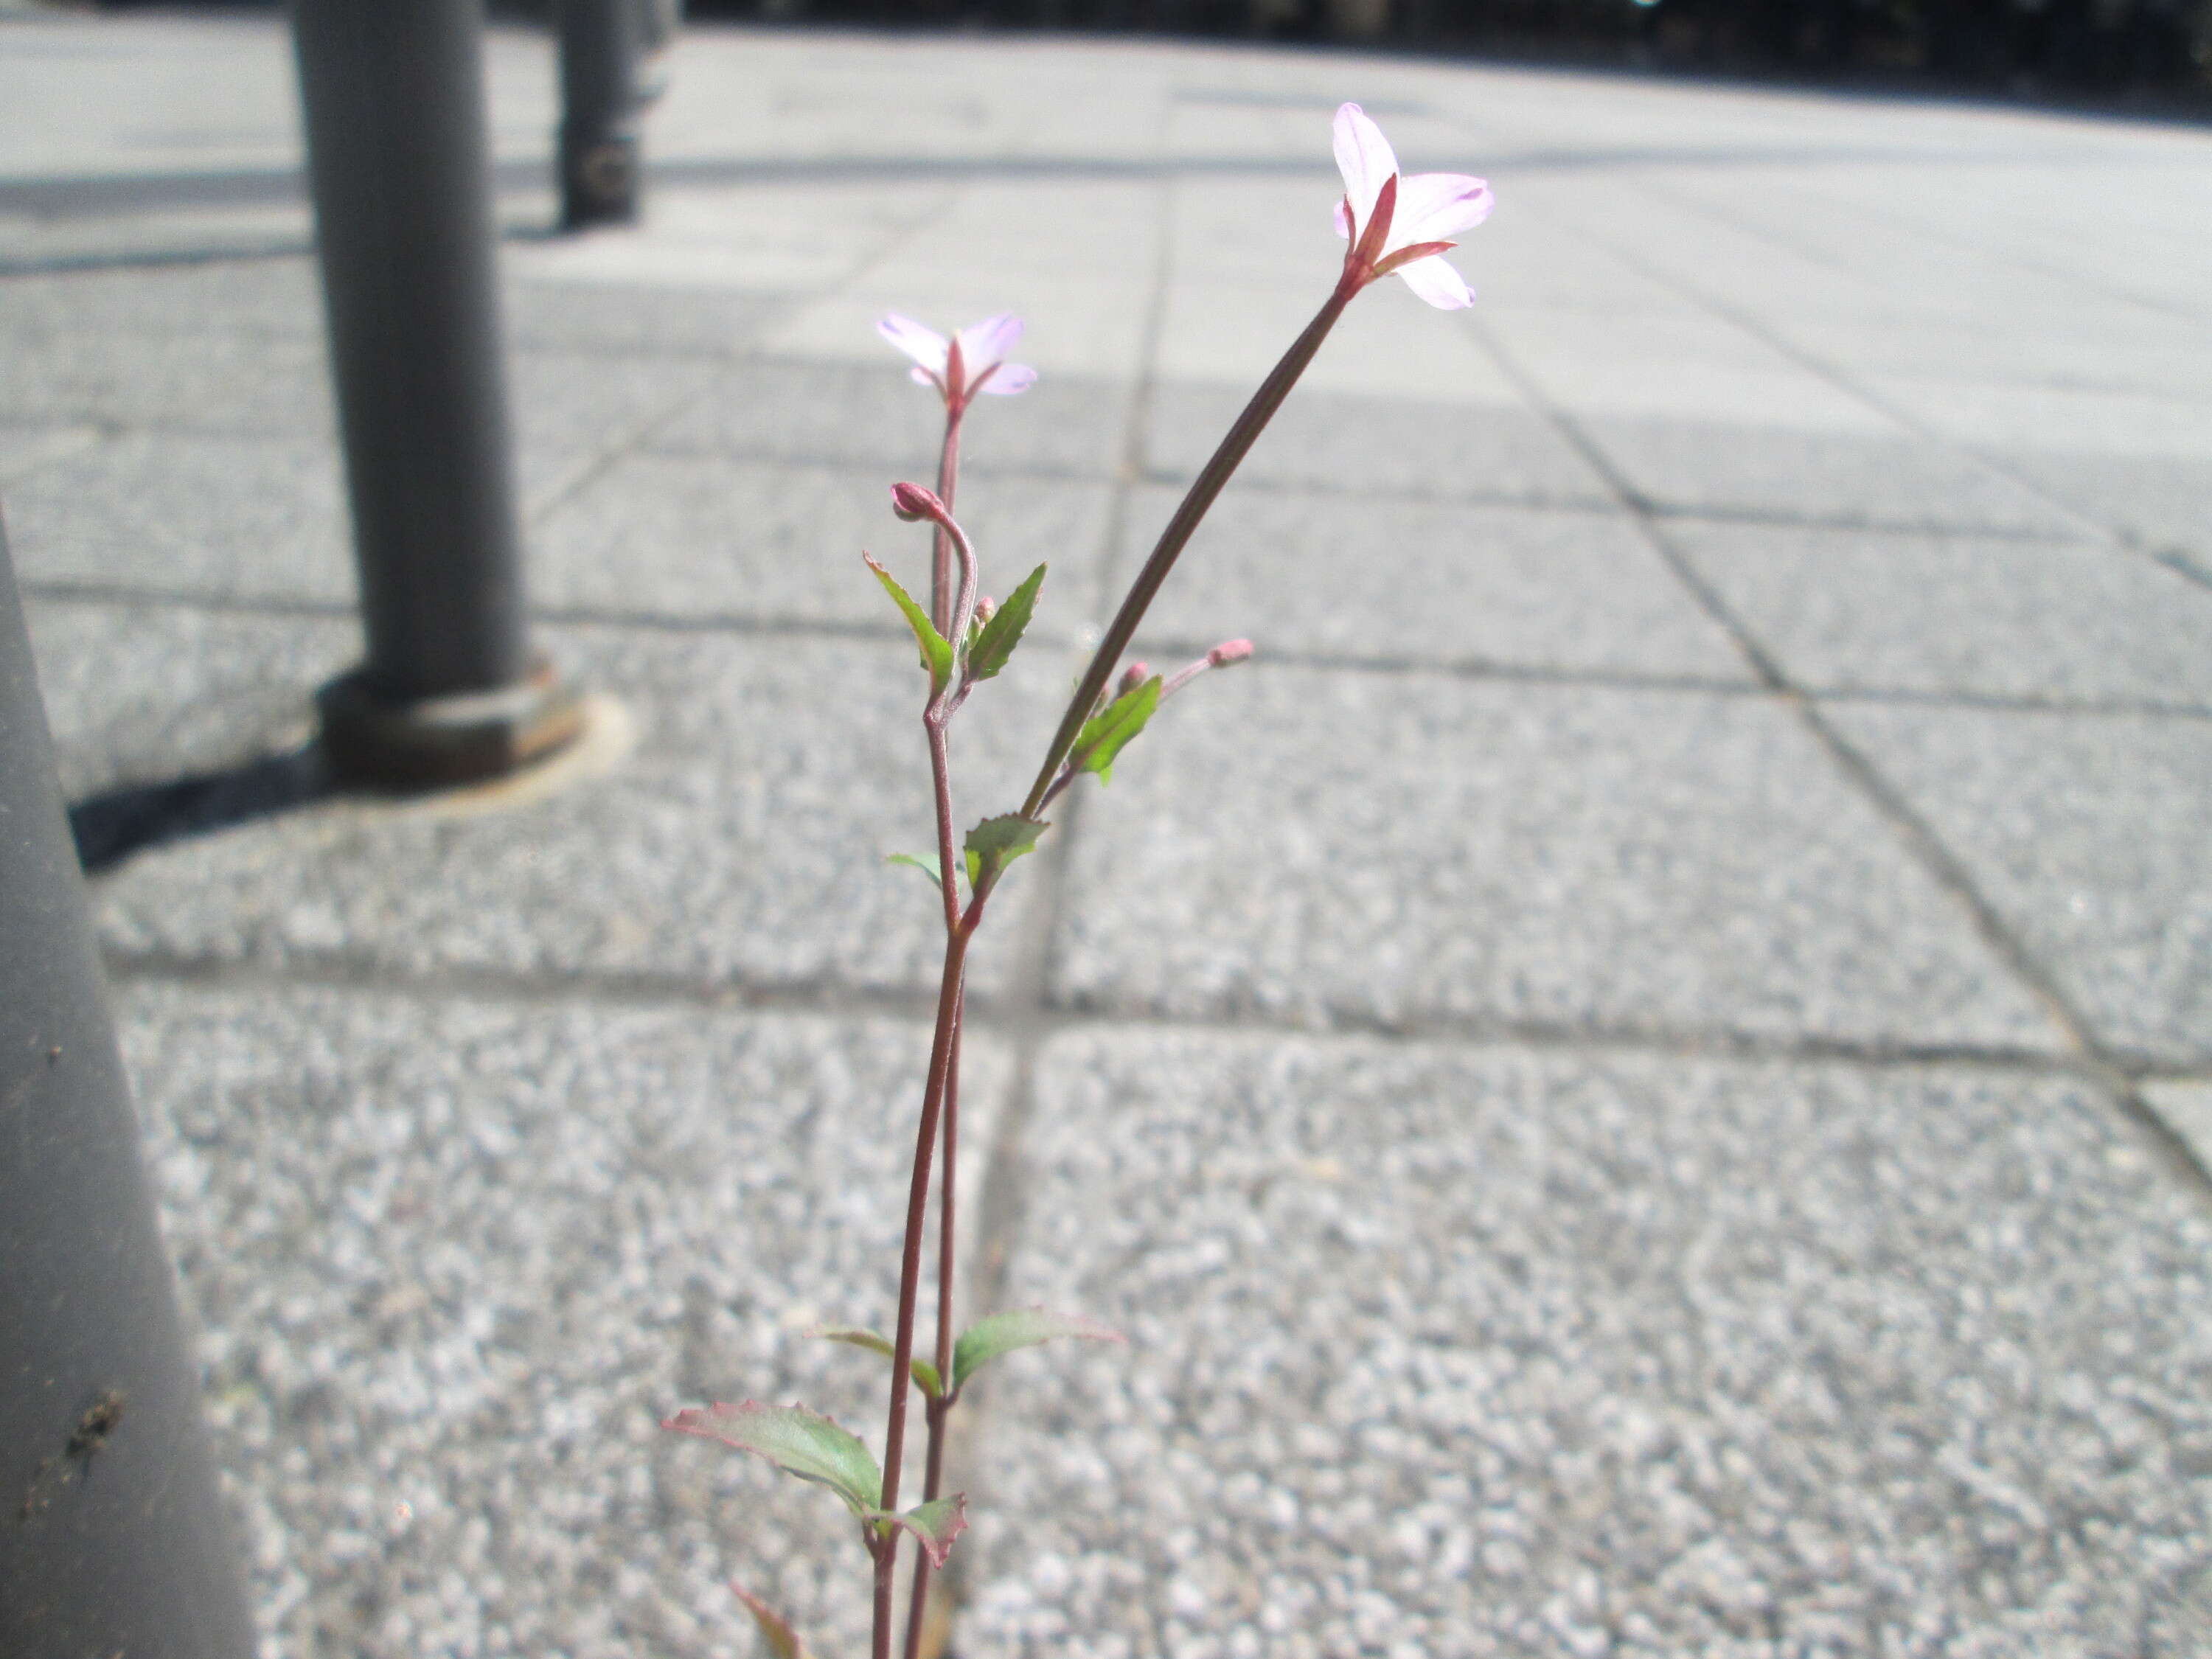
(1851,385)
(2088,1054)
(1030,1015)
(1001,1211)
(1472,669)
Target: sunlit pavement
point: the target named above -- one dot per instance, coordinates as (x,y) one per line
(1640,1081)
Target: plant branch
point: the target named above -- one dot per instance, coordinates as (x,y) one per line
(1233,447)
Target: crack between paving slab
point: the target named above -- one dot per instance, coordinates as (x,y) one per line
(2088,1055)
(2125,541)
(1026,1015)
(1472,669)
(1031,1013)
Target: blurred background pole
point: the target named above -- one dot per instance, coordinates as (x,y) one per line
(113,1536)
(610,51)
(400,169)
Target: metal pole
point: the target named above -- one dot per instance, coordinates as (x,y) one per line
(400,169)
(609,53)
(112,1538)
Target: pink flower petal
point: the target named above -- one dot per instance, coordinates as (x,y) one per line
(921,377)
(1435,281)
(1435,207)
(925,345)
(1343,216)
(1363,156)
(987,342)
(1010,379)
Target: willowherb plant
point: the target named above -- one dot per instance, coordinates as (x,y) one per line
(1395,225)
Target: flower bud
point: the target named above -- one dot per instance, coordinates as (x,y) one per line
(1132,676)
(986,608)
(1229,651)
(913,503)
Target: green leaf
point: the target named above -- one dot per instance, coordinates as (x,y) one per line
(924,1373)
(936,1525)
(796,1440)
(1104,733)
(1020,1327)
(989,650)
(783,1641)
(925,862)
(936,654)
(997,842)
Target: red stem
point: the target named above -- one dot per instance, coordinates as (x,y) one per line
(948,480)
(1233,447)
(941,1408)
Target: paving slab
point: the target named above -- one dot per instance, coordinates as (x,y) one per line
(1853,610)
(1324,846)
(1453,1351)
(2184,1106)
(825,412)
(1377,446)
(451,1262)
(741,841)
(2159,502)
(2085,832)
(1727,469)
(193,514)
(694,537)
(1378,579)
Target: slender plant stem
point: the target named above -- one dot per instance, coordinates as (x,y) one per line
(948,480)
(1233,447)
(917,1206)
(940,1408)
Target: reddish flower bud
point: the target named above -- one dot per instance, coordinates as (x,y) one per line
(912,502)
(1229,651)
(986,608)
(1132,676)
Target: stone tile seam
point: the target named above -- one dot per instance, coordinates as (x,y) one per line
(1918,839)
(1950,872)
(2093,530)
(1009,1017)
(1000,1214)
(1471,669)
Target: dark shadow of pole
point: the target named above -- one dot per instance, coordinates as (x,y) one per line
(112,825)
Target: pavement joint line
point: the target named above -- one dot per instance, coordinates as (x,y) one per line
(2000,253)
(1476,670)
(2096,531)
(1035,1016)
(1001,1211)
(2173,1149)
(2089,1055)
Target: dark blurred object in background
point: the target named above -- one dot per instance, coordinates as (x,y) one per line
(2135,51)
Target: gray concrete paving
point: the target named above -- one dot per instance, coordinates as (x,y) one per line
(1639,1082)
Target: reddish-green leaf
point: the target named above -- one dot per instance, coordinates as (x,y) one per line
(997,842)
(936,653)
(796,1440)
(990,646)
(924,1374)
(1019,1328)
(783,1641)
(936,1525)
(1104,733)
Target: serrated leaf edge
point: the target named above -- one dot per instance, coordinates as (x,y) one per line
(936,1543)
(936,650)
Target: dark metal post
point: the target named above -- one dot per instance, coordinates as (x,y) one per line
(112,1538)
(400,168)
(606,50)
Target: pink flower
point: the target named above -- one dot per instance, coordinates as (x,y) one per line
(972,360)
(1406,221)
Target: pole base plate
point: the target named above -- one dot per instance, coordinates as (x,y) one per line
(436,742)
